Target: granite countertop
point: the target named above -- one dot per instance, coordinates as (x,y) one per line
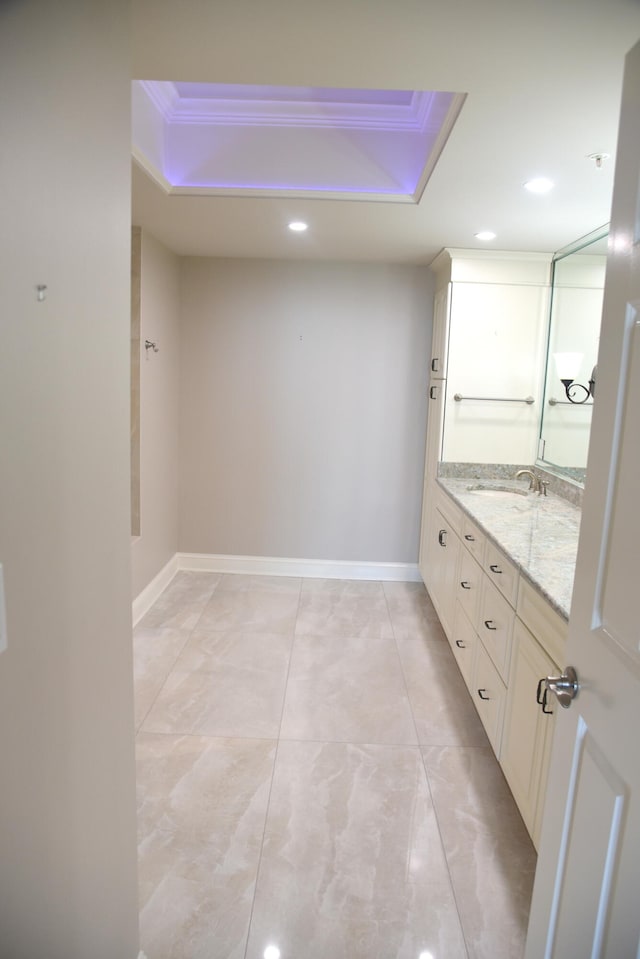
(539,534)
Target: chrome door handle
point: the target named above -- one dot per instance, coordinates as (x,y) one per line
(484,697)
(465,584)
(434,364)
(565,688)
(460,644)
(489,624)
(442,537)
(433,392)
(495,569)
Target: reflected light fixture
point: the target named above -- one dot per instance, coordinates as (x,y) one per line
(271,952)
(485,235)
(567,365)
(298,226)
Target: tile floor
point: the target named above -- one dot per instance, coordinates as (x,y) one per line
(314,782)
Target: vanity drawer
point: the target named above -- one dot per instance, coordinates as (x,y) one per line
(501,571)
(495,626)
(473,538)
(549,627)
(468,584)
(490,695)
(464,645)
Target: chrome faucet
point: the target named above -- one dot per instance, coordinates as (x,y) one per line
(534,481)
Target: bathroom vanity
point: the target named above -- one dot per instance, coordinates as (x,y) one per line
(498,563)
(497,559)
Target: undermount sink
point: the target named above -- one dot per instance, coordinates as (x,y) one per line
(504,493)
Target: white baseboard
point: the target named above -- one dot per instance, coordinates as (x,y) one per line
(145,600)
(316,568)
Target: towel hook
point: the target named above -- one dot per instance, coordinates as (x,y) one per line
(148,345)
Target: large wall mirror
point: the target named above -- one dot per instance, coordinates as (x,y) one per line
(574,333)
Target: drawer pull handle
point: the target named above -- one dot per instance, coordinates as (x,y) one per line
(495,569)
(434,364)
(465,584)
(489,624)
(433,392)
(469,538)
(442,537)
(482,693)
(461,645)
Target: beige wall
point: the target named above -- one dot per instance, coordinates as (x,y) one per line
(159,402)
(67,793)
(303,409)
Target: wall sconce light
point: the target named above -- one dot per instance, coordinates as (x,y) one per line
(568,365)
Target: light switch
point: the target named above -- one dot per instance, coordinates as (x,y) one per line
(3,615)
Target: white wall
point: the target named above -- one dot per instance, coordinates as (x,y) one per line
(159,403)
(67,794)
(303,409)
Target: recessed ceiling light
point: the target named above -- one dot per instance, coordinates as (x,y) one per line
(298,226)
(485,235)
(539,184)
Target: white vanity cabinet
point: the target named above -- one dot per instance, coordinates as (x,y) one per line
(505,637)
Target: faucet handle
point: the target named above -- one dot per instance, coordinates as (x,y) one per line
(543,487)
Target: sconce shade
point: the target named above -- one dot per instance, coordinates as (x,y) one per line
(568,365)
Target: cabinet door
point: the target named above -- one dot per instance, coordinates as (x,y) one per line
(435,410)
(526,741)
(440,566)
(468,583)
(438,367)
(464,644)
(489,694)
(495,626)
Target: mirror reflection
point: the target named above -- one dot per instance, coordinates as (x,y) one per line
(577,288)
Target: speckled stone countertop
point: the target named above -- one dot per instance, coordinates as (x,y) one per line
(538,533)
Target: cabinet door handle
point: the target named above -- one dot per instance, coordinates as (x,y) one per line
(489,624)
(482,693)
(465,584)
(434,364)
(541,697)
(442,537)
(460,644)
(433,392)
(469,538)
(495,569)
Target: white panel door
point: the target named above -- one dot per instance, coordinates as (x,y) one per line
(586,901)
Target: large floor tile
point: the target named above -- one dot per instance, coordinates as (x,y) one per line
(352,865)
(362,588)
(182,602)
(342,614)
(225,684)
(412,613)
(346,690)
(491,858)
(243,582)
(154,654)
(443,711)
(258,611)
(202,806)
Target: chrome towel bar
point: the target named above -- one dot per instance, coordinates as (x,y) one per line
(458,397)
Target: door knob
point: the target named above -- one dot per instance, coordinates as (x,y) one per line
(565,688)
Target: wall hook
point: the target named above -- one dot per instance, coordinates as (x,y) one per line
(41,290)
(148,345)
